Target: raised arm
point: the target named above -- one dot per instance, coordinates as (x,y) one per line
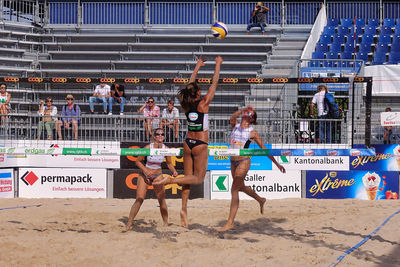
(205,102)
(200,63)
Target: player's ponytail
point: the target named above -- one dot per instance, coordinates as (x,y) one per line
(187,96)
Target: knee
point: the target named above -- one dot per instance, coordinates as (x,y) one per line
(140,200)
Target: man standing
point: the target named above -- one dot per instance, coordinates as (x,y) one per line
(170,120)
(100,95)
(258,18)
(324,126)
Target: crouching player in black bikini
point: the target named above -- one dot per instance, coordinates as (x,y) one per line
(241,137)
(150,171)
(195,147)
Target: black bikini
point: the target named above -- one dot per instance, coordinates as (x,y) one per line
(197,122)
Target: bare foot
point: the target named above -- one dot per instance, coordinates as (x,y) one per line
(128,226)
(184,220)
(262,202)
(226,227)
(165,224)
(162,180)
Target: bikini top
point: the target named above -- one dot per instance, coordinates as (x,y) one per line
(240,137)
(154,162)
(197,121)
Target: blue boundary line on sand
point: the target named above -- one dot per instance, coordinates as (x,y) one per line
(340,258)
(21,207)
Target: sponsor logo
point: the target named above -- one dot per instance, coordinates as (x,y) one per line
(359,79)
(280,80)
(355,152)
(230,80)
(156,80)
(204,80)
(179,80)
(134,176)
(224,152)
(83,80)
(193,116)
(330,80)
(11,79)
(305,80)
(1,157)
(332,153)
(107,80)
(361,160)
(286,153)
(328,183)
(132,80)
(29,178)
(309,153)
(35,80)
(255,80)
(59,80)
(11,150)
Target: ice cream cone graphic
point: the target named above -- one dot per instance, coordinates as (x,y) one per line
(371,183)
(396,153)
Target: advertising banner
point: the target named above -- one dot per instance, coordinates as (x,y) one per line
(330,74)
(352,184)
(6,183)
(268,184)
(129,162)
(313,163)
(390,118)
(387,158)
(224,163)
(125,185)
(62,183)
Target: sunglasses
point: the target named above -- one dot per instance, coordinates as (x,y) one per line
(2,87)
(69,98)
(150,101)
(159,134)
(49,101)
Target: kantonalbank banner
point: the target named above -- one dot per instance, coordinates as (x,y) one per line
(62,183)
(387,158)
(221,162)
(368,185)
(313,163)
(268,184)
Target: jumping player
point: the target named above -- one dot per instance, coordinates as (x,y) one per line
(241,137)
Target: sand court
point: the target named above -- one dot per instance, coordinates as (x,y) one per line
(291,232)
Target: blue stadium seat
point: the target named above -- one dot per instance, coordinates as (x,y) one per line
(346,22)
(346,55)
(358,30)
(381,48)
(360,23)
(335,47)
(397,21)
(364,48)
(350,39)
(396,39)
(349,47)
(386,30)
(343,30)
(321,47)
(373,22)
(330,30)
(315,63)
(394,57)
(333,22)
(338,38)
(384,39)
(388,22)
(325,39)
(357,64)
(395,47)
(362,56)
(379,58)
(397,30)
(318,55)
(367,39)
(370,30)
(331,63)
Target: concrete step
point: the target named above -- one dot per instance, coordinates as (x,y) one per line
(270,73)
(284,57)
(287,62)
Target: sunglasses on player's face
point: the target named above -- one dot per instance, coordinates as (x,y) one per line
(159,134)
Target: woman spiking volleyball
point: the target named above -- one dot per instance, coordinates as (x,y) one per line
(195,147)
(242,135)
(150,171)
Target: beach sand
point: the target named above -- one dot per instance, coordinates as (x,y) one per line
(291,232)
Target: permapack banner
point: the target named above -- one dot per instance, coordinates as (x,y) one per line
(62,183)
(352,184)
(268,184)
(6,183)
(387,158)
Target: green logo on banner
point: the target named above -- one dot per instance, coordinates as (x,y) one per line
(220,183)
(76,151)
(135,152)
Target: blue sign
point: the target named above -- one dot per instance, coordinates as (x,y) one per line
(352,184)
(387,158)
(318,72)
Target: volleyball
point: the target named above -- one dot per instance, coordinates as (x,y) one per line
(219,30)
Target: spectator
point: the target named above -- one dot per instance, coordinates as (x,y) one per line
(150,111)
(100,95)
(324,126)
(49,113)
(5,107)
(387,131)
(170,121)
(70,118)
(117,96)
(258,18)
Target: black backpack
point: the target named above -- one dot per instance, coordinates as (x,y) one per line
(331,107)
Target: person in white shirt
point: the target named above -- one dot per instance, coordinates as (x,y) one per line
(324,126)
(170,121)
(49,113)
(100,95)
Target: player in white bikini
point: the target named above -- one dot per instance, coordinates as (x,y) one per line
(242,135)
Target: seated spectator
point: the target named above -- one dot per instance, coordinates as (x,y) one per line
(150,111)
(5,107)
(49,113)
(258,18)
(117,96)
(100,95)
(70,118)
(170,121)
